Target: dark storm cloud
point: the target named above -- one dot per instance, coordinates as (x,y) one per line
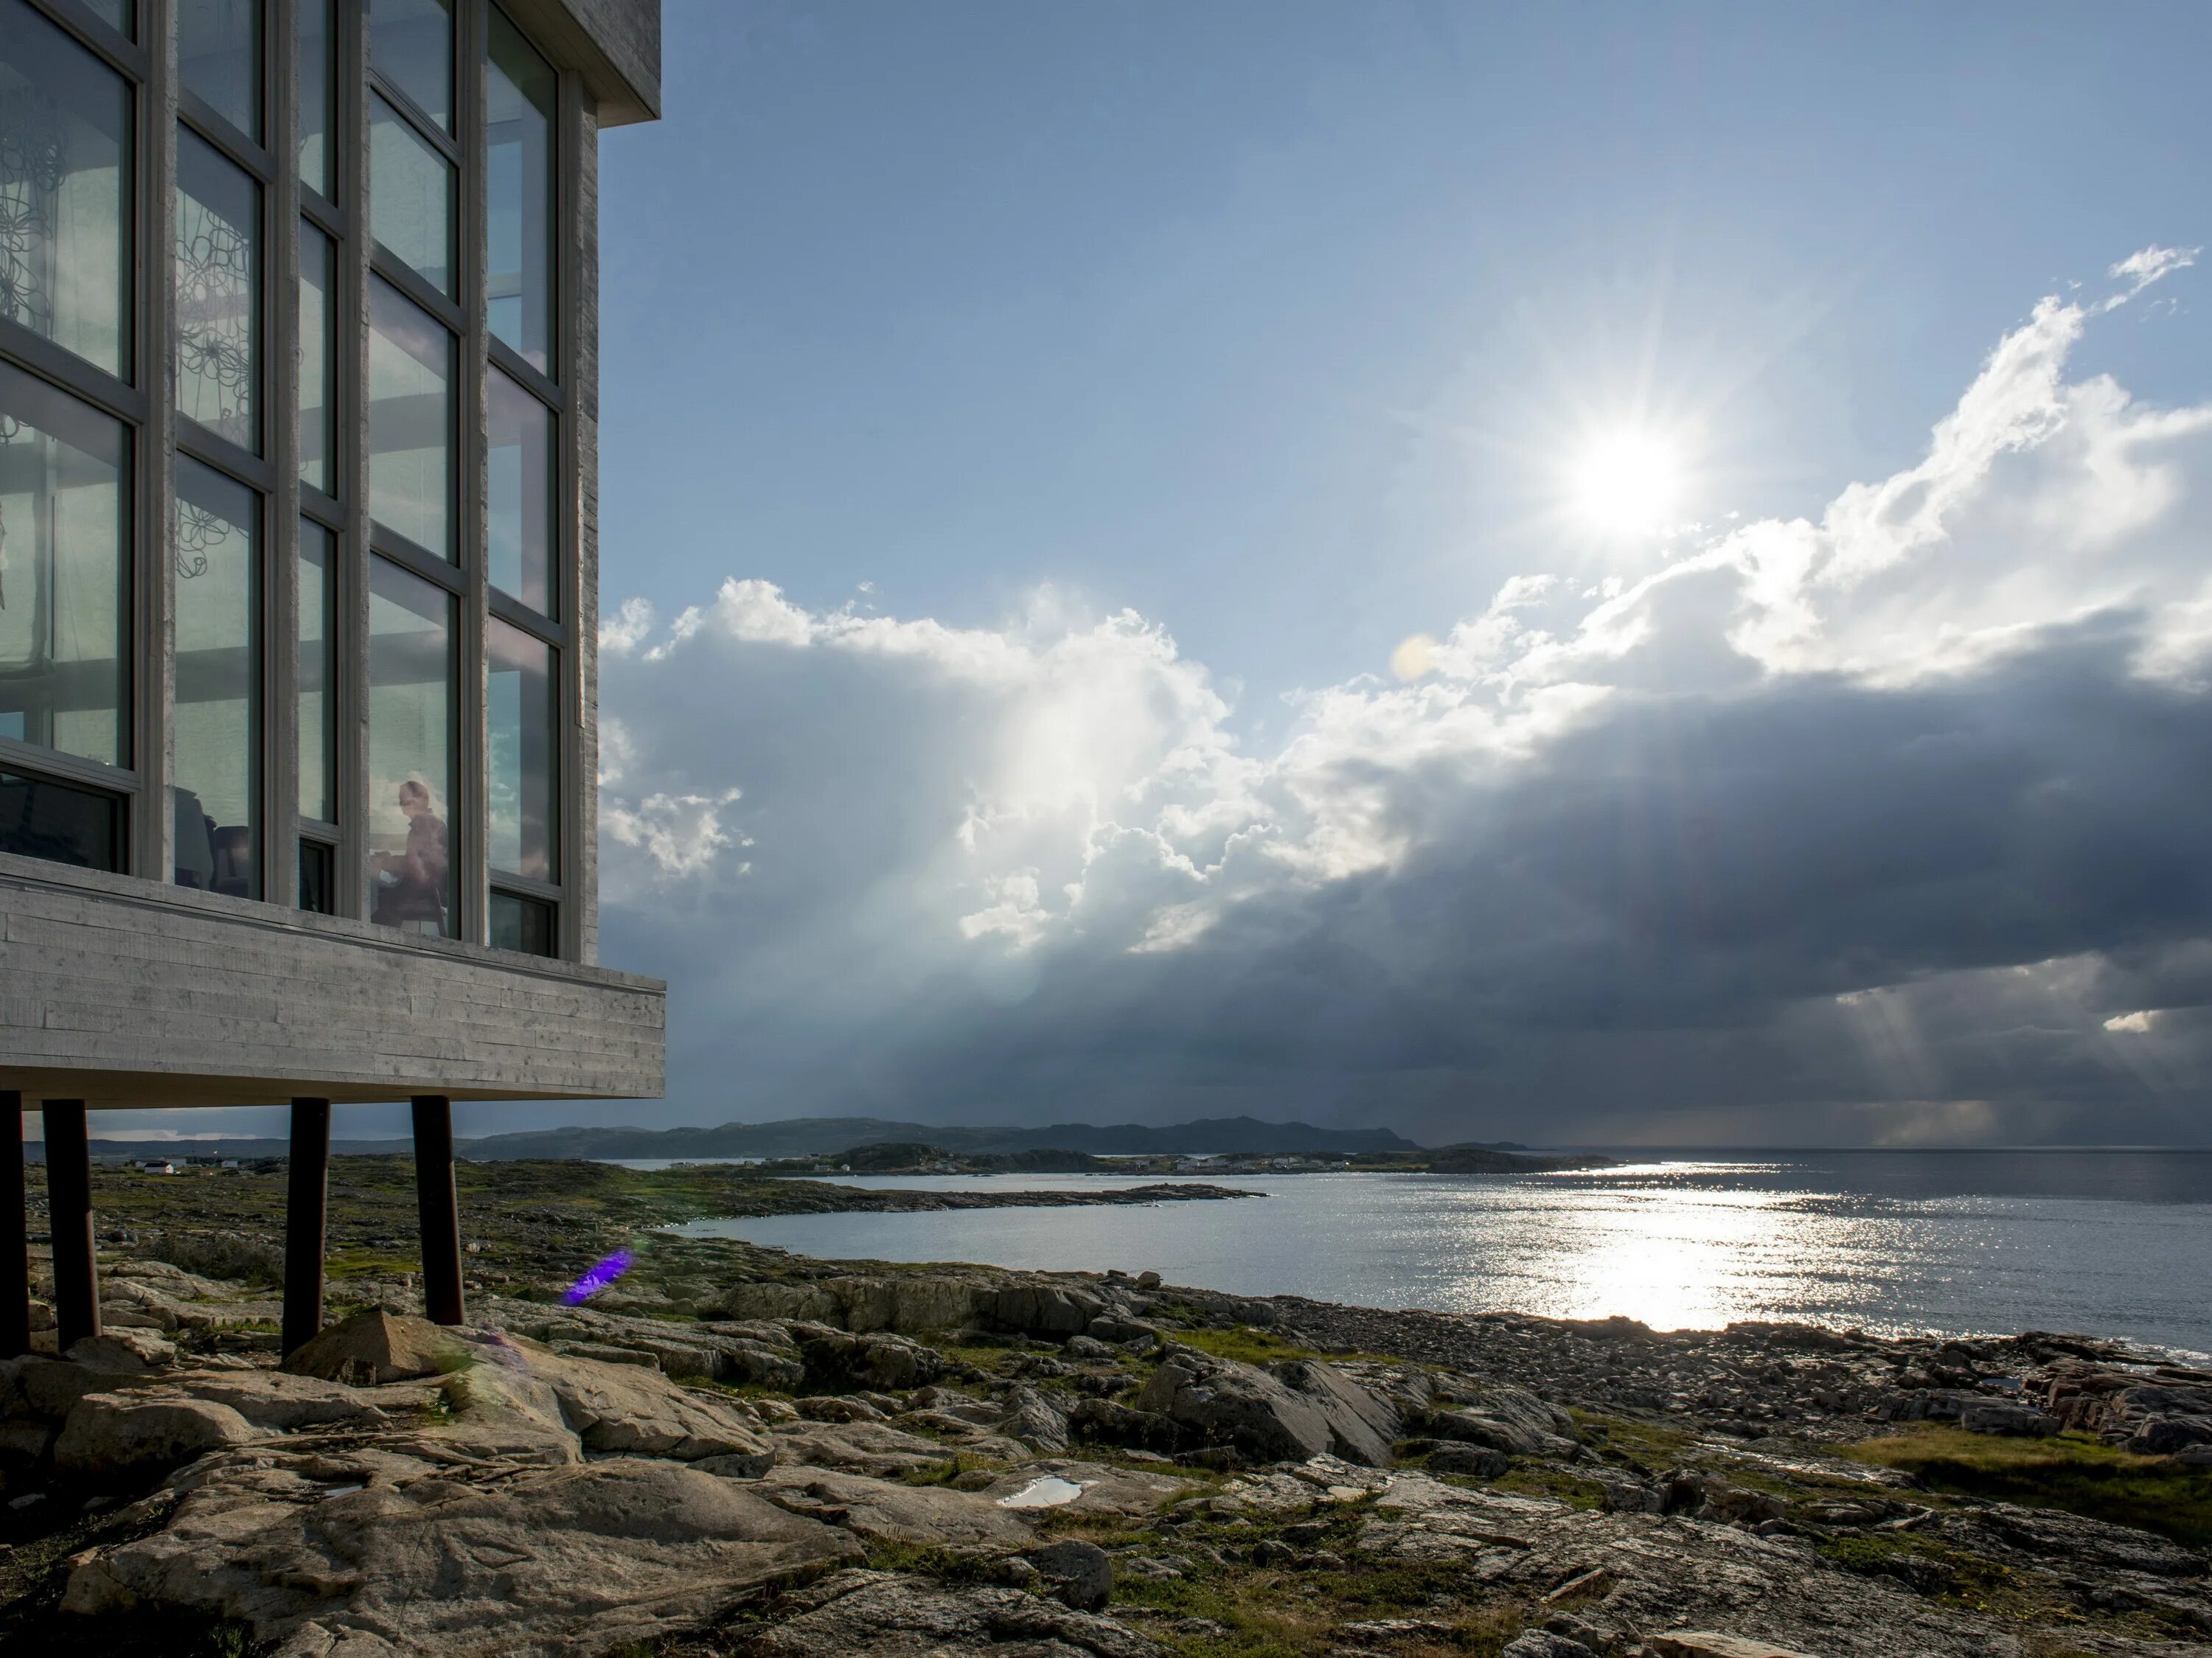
(1890,827)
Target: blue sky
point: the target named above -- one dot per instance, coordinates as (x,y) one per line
(1271,320)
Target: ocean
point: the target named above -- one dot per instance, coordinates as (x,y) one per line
(2107,1242)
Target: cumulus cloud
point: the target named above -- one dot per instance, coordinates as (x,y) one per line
(1881,824)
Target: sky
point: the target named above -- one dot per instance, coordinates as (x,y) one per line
(1604,574)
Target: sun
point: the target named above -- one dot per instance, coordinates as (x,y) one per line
(1627,484)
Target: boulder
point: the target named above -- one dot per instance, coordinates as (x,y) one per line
(1040,1309)
(376,1346)
(135,1437)
(1035,1421)
(122,1351)
(1075,1573)
(866,1614)
(1508,1420)
(573,1559)
(1299,1411)
(1110,1423)
(1542,1644)
(882,1510)
(835,1361)
(2001,1416)
(1469,1461)
(1148,1280)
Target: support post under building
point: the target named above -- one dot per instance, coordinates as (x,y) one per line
(69,1208)
(439,1206)
(14,1232)
(307,1209)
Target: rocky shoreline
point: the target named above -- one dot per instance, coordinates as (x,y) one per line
(737,1452)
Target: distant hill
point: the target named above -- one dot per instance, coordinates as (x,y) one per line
(804,1137)
(801,1137)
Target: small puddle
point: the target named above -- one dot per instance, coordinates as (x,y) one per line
(341,1491)
(1049,1492)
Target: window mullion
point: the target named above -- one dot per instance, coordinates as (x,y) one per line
(349,396)
(473,847)
(280,324)
(152,827)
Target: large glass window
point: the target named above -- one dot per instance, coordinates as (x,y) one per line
(65,209)
(65,573)
(216,784)
(219,59)
(218,265)
(519,87)
(317,359)
(410,42)
(411,195)
(121,15)
(40,818)
(522,726)
(411,750)
(318,779)
(521,924)
(317,78)
(411,421)
(521,474)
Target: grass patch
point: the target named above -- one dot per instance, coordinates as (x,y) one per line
(1244,1343)
(1536,1479)
(1646,1443)
(2071,1472)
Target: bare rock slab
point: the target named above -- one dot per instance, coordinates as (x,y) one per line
(882,1510)
(135,1437)
(561,1561)
(871,1448)
(865,1614)
(1697,1643)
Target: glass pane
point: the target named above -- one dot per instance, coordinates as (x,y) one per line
(40,819)
(318,887)
(519,194)
(411,195)
(520,487)
(121,15)
(519,714)
(219,59)
(216,781)
(521,924)
(319,436)
(64,191)
(317,72)
(411,421)
(410,749)
(65,573)
(317,665)
(411,44)
(218,290)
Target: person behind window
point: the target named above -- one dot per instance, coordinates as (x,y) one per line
(410,884)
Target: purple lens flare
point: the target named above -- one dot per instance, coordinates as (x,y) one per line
(598,1278)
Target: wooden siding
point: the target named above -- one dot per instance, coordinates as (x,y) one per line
(124,993)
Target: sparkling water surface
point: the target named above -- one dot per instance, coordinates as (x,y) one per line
(2113,1243)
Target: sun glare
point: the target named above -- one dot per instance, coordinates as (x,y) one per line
(1627,484)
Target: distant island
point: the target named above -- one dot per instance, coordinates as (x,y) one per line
(1220,1145)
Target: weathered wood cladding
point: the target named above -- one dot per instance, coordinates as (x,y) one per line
(121,993)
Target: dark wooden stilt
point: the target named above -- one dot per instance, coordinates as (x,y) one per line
(69,1205)
(438,1208)
(306,1205)
(14,1233)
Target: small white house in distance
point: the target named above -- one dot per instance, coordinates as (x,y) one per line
(157,1166)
